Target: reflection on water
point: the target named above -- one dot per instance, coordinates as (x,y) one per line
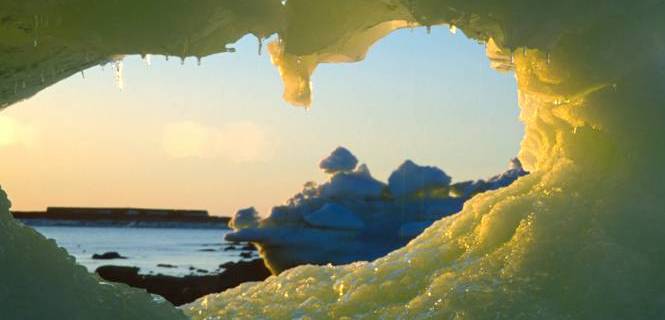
(579,238)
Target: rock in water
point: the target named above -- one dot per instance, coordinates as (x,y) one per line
(180,290)
(108,256)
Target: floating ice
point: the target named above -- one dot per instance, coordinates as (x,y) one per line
(355,217)
(410,177)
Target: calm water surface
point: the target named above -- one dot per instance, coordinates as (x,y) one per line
(187,249)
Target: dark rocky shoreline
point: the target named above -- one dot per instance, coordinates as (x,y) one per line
(181,290)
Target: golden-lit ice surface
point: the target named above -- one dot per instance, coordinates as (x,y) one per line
(580,238)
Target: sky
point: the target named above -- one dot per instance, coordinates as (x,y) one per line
(218,136)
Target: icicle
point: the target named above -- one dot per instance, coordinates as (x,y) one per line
(524,51)
(146,59)
(260,44)
(198,61)
(35,42)
(549,59)
(429,29)
(82,75)
(118,75)
(182,61)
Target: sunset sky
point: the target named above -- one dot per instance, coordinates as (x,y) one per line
(219,137)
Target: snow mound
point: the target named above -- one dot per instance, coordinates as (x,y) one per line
(340,160)
(410,177)
(245,218)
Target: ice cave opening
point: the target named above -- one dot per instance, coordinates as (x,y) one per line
(578,238)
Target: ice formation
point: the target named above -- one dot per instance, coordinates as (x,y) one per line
(579,238)
(39,280)
(410,177)
(355,217)
(340,160)
(245,218)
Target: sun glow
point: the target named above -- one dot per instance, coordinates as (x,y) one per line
(13,132)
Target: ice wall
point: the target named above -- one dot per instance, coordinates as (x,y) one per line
(579,238)
(39,280)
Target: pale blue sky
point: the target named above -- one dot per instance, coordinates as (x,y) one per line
(431,98)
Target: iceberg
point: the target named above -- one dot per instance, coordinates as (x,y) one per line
(333,216)
(410,177)
(354,217)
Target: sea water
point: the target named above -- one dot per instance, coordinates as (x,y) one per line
(186,251)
